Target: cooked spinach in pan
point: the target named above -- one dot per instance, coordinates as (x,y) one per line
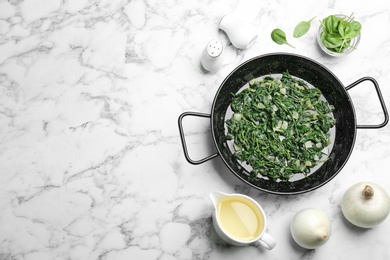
(280,127)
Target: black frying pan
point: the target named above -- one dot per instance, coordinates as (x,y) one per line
(313,73)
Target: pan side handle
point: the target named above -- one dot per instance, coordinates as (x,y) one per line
(382,102)
(183,141)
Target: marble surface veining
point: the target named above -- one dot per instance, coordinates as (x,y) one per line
(91,163)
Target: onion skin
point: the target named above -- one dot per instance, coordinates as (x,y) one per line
(310,228)
(365,204)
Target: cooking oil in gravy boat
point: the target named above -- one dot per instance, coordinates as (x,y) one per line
(239,220)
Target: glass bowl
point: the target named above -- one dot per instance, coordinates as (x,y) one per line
(354,42)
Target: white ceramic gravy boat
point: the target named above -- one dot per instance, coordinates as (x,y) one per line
(239,220)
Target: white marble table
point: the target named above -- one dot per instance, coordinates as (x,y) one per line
(91,163)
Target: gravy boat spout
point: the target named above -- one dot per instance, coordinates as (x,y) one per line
(216,196)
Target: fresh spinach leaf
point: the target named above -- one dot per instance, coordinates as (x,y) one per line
(279,37)
(302,28)
(340,28)
(355,27)
(332,40)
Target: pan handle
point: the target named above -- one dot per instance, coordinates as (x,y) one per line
(183,141)
(380,100)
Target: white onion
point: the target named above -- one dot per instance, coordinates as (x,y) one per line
(310,228)
(365,204)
